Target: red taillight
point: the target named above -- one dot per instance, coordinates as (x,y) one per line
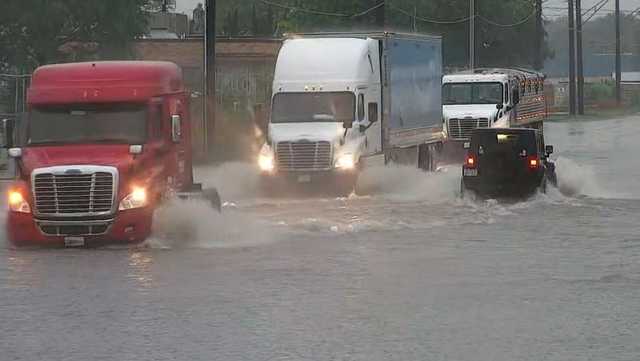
(471,161)
(533,162)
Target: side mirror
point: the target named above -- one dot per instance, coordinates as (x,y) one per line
(467,145)
(176,128)
(347,124)
(8,126)
(516,97)
(135,149)
(373,112)
(15,152)
(499,106)
(548,149)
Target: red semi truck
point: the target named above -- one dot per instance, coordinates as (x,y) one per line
(102,144)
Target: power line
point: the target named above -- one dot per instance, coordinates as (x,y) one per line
(604,2)
(533,13)
(303,10)
(319,12)
(426,20)
(402,11)
(381,4)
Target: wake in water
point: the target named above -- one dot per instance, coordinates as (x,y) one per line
(405,183)
(194,224)
(576,180)
(234,181)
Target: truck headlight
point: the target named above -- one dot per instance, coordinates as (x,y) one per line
(17,203)
(265,162)
(136,199)
(345,161)
(265,158)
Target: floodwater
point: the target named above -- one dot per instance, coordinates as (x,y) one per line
(410,272)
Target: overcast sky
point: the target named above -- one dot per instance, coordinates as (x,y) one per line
(187,6)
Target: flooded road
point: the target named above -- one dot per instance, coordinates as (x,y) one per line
(411,272)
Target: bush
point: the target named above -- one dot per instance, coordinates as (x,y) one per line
(600,92)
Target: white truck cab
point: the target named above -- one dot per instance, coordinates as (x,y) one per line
(332,108)
(326,95)
(494,98)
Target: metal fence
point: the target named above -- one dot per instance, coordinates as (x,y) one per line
(13,94)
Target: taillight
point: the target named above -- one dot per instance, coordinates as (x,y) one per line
(471,161)
(533,162)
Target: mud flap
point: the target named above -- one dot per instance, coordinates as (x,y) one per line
(429,156)
(210,195)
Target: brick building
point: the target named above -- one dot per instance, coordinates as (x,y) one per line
(244,72)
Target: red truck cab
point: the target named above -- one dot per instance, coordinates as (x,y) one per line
(101,145)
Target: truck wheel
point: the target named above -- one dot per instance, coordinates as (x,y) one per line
(213,197)
(543,185)
(425,157)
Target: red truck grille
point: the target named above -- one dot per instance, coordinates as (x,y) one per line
(304,156)
(84,194)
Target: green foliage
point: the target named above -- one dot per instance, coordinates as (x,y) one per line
(496,45)
(36,32)
(600,92)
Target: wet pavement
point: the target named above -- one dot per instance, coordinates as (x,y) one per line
(411,272)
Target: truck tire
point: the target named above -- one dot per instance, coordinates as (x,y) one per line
(425,157)
(213,197)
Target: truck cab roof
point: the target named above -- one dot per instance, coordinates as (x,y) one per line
(307,60)
(104,81)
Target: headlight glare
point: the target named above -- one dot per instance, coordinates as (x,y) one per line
(265,162)
(17,203)
(136,199)
(345,161)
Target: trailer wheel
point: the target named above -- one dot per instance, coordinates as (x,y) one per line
(425,157)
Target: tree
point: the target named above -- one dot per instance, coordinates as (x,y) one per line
(160,5)
(505,29)
(37,32)
(599,47)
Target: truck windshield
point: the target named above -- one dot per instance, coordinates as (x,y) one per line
(472,93)
(313,107)
(116,123)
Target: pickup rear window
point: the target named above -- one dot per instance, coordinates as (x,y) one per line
(516,142)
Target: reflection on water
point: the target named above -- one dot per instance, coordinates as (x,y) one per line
(22,271)
(139,269)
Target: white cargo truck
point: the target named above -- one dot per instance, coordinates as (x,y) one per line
(346,101)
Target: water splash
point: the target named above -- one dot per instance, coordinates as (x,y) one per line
(234,181)
(575,179)
(194,224)
(405,183)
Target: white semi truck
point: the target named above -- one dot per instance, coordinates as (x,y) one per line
(492,98)
(344,101)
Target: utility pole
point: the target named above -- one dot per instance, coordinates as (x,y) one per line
(472,34)
(209,119)
(539,56)
(165,6)
(580,57)
(572,61)
(618,57)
